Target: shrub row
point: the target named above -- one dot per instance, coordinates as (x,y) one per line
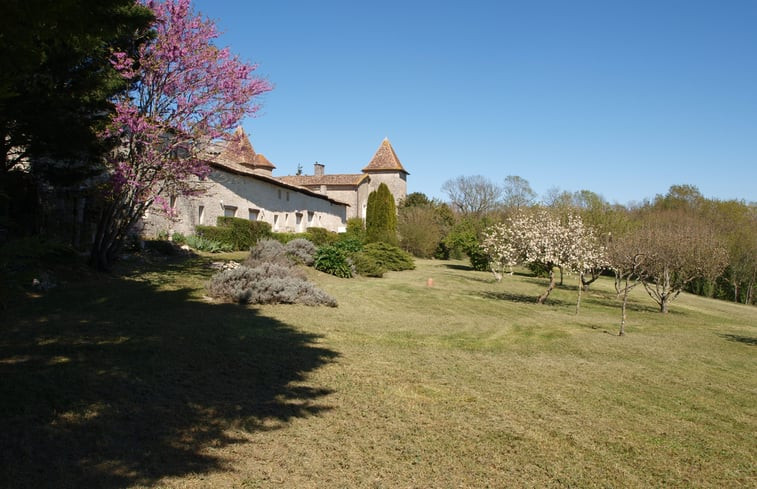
(317,236)
(238,233)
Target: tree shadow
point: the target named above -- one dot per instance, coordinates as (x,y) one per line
(131,384)
(515,297)
(747,340)
(457,266)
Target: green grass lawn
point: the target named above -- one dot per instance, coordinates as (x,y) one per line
(138,380)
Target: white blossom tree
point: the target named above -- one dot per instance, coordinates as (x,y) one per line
(543,237)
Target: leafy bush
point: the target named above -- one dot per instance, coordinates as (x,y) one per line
(478,259)
(419,230)
(349,245)
(179,238)
(266,283)
(301,250)
(321,236)
(356,228)
(367,266)
(330,259)
(389,256)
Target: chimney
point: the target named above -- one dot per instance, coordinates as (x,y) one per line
(318,169)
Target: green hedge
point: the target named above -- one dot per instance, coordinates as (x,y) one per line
(238,233)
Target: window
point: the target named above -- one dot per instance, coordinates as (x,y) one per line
(172,202)
(253,214)
(229,211)
(201,214)
(287,196)
(279,193)
(298,219)
(275,222)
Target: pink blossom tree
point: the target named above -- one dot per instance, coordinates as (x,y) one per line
(186,92)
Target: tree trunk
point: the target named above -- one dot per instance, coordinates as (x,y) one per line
(580,290)
(622,331)
(735,292)
(664,304)
(542,298)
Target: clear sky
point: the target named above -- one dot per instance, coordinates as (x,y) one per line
(621,97)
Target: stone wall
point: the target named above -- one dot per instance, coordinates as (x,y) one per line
(228,194)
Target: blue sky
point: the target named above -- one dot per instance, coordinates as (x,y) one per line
(623,98)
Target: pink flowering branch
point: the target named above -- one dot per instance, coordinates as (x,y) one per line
(186,92)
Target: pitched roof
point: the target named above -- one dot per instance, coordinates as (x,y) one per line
(262,162)
(238,150)
(338,179)
(245,170)
(385,159)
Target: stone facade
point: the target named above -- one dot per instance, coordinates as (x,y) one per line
(353,189)
(242,185)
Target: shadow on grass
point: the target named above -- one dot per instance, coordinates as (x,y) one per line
(456,266)
(748,340)
(118,384)
(514,297)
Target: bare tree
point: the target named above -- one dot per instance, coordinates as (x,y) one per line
(473,195)
(517,192)
(678,247)
(626,259)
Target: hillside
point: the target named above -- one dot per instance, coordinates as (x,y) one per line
(141,381)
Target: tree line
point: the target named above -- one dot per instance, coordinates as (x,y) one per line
(680,241)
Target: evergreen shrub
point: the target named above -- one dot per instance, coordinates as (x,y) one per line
(389,256)
(367,266)
(478,259)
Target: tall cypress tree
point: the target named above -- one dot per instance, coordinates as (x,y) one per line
(381,216)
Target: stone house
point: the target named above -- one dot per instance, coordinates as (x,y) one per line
(353,189)
(242,184)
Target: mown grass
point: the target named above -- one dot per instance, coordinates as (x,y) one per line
(140,381)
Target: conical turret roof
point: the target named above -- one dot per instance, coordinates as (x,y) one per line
(385,159)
